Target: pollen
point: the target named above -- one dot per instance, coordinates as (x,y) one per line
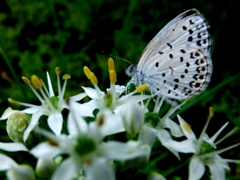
(110,64)
(57,70)
(26,80)
(36,82)
(142,87)
(10,100)
(66,76)
(187,127)
(113,76)
(87,72)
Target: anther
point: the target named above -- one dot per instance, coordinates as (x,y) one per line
(141,88)
(36,82)
(57,70)
(10,100)
(87,72)
(66,76)
(26,80)
(113,76)
(110,64)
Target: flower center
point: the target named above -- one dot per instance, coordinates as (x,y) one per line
(151,118)
(206,148)
(108,99)
(84,146)
(54,100)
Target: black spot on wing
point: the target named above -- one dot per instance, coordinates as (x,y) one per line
(169,45)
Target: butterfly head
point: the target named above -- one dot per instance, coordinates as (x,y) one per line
(131,70)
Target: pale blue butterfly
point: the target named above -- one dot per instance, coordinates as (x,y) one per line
(176,63)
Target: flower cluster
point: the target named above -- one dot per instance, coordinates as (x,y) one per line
(85,143)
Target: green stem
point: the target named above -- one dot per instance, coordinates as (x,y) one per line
(9,63)
(176,169)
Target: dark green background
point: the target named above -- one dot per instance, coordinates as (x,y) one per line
(39,36)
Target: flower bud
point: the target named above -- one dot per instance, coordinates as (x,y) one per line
(155,176)
(133,118)
(17,123)
(21,172)
(45,168)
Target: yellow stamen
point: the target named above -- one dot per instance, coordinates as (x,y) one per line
(187,127)
(110,64)
(10,100)
(141,88)
(26,80)
(113,76)
(57,70)
(93,78)
(66,76)
(36,82)
(87,72)
(211,112)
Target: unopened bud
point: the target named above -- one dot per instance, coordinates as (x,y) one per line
(45,168)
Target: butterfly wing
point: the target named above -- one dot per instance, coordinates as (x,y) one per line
(182,45)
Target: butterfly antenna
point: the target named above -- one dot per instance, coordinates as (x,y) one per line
(117,57)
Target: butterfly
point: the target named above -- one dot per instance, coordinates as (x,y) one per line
(176,63)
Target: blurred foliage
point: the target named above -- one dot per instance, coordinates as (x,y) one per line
(39,36)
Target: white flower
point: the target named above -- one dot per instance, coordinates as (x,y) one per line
(110,103)
(155,126)
(51,105)
(86,151)
(206,153)
(15,171)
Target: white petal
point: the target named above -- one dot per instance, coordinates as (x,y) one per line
(66,170)
(217,167)
(112,125)
(6,162)
(81,109)
(31,126)
(136,98)
(31,110)
(120,89)
(185,146)
(50,88)
(122,151)
(78,97)
(8,112)
(45,150)
(92,93)
(196,169)
(147,135)
(188,133)
(99,169)
(12,147)
(76,124)
(55,121)
(92,104)
(175,128)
